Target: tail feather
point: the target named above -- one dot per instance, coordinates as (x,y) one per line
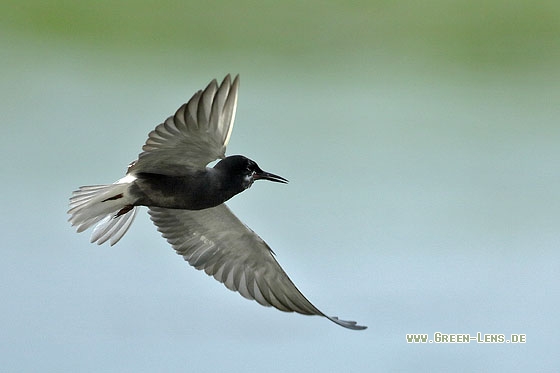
(113,227)
(101,204)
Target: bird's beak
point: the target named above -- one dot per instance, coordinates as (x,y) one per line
(263,175)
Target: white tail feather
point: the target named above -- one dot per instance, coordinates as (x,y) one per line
(112,227)
(101,204)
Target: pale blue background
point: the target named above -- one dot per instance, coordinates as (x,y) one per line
(424,190)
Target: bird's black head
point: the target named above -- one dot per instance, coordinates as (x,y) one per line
(241,172)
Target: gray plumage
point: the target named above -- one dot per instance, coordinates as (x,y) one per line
(186,199)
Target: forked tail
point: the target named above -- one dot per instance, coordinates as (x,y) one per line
(104,205)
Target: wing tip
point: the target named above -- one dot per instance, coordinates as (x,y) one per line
(353,325)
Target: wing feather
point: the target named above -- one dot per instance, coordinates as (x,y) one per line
(195,135)
(215,241)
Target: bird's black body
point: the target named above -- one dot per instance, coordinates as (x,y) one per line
(198,189)
(193,191)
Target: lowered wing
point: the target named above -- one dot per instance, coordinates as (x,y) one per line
(215,241)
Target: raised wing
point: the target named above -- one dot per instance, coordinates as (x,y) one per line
(215,241)
(196,135)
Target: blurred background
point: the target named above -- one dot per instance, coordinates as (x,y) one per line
(421,141)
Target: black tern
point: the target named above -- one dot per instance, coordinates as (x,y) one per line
(185,200)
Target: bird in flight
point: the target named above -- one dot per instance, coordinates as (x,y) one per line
(185,200)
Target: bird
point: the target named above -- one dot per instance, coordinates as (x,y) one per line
(185,200)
